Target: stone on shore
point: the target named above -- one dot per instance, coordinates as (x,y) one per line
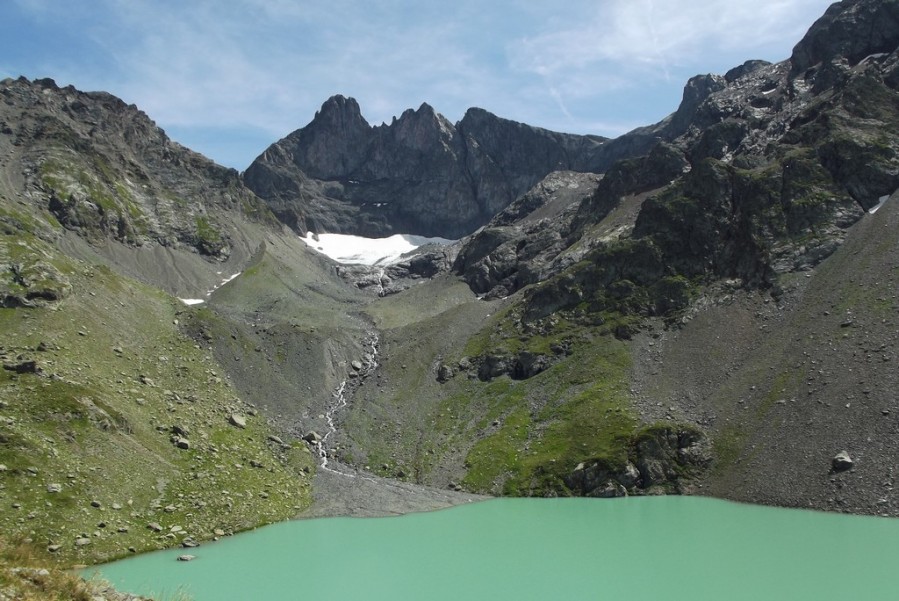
(841,462)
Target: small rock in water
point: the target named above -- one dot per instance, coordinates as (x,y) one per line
(841,462)
(186,557)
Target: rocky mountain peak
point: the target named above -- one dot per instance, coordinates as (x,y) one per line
(696,91)
(329,146)
(339,108)
(851,29)
(419,174)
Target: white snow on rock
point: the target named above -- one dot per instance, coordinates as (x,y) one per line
(880,202)
(357,250)
(191,301)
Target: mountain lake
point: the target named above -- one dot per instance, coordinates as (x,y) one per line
(638,548)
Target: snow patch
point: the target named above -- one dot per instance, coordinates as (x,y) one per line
(879,204)
(356,250)
(191,301)
(197,301)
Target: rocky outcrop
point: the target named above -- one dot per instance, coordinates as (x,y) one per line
(419,174)
(663,458)
(849,31)
(520,245)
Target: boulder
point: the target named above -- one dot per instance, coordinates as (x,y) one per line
(841,462)
(237,420)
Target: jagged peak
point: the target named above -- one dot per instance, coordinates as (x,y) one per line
(340,109)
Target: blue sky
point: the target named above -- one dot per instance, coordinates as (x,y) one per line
(229,77)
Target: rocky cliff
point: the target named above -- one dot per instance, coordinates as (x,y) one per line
(419,174)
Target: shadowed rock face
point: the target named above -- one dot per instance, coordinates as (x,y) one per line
(850,30)
(420,174)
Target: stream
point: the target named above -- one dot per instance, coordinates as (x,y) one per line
(341,490)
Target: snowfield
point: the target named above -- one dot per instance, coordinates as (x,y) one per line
(356,250)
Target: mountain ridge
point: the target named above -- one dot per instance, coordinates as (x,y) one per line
(420,174)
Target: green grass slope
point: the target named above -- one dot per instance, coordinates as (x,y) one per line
(98,393)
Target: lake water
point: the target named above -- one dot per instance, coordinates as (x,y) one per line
(672,548)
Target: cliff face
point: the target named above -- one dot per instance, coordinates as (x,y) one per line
(420,174)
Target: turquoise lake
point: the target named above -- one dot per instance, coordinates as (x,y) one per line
(672,548)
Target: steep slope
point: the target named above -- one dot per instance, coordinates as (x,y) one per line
(419,174)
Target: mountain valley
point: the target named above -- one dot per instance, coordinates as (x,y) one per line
(707,305)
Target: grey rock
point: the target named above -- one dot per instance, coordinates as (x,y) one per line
(186,557)
(444,373)
(312,437)
(82,542)
(54,488)
(237,420)
(841,462)
(154,526)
